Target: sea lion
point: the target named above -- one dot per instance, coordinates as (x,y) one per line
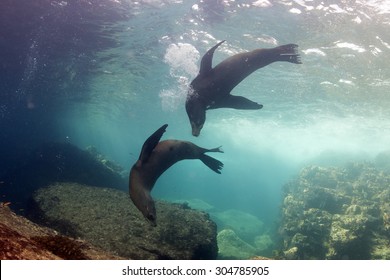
(211,88)
(155,158)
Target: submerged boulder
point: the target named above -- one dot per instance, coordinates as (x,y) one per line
(233,247)
(245,225)
(196,203)
(264,243)
(108,219)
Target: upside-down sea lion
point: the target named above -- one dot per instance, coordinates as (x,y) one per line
(155,158)
(211,88)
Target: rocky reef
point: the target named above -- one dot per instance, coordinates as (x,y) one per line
(108,219)
(20,239)
(241,235)
(337,213)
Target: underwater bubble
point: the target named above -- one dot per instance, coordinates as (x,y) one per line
(171,99)
(183,59)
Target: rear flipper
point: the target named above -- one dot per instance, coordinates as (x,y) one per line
(236,102)
(215,150)
(289,53)
(212,163)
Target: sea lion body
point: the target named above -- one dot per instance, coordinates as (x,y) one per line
(156,157)
(211,88)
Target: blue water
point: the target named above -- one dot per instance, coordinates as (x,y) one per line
(109,73)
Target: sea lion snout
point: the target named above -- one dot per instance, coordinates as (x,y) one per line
(140,195)
(196,129)
(150,214)
(148,209)
(197,116)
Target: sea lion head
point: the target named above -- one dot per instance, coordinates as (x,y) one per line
(143,200)
(197,114)
(149,212)
(147,208)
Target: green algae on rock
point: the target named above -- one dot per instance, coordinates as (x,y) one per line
(337,213)
(233,247)
(108,219)
(245,225)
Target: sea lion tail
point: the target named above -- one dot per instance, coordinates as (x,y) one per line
(212,163)
(289,53)
(216,150)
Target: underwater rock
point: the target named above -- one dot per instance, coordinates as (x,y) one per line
(381,248)
(232,247)
(348,237)
(245,225)
(337,213)
(108,219)
(263,243)
(326,199)
(319,176)
(195,203)
(56,162)
(382,160)
(260,258)
(291,254)
(21,239)
(109,164)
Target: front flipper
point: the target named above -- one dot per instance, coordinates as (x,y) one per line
(236,102)
(151,143)
(207,60)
